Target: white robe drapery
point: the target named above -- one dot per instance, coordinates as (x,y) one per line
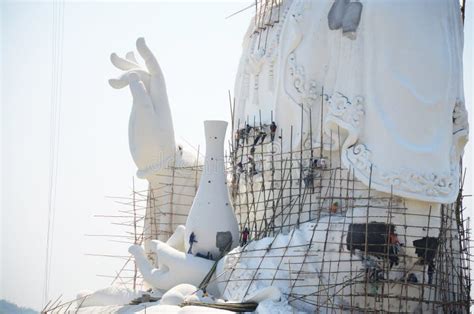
(394,98)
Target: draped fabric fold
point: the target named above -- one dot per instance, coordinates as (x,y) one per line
(393,98)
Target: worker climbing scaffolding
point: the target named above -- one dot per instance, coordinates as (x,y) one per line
(192,240)
(245,235)
(394,248)
(260,134)
(273,128)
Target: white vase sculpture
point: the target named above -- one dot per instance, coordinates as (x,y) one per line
(211,221)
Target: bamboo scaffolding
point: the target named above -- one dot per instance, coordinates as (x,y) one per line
(276,192)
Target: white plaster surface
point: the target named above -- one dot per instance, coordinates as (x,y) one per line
(394,94)
(174,267)
(212,210)
(153,146)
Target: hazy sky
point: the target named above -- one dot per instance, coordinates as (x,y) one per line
(198,50)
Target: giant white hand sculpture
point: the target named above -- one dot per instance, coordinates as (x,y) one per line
(174,267)
(151,132)
(152,145)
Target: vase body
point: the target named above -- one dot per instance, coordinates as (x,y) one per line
(211,217)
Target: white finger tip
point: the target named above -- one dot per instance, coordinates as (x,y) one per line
(114,83)
(133,77)
(113,56)
(133,249)
(117,83)
(140,42)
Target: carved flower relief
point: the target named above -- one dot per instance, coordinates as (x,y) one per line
(301,90)
(460,134)
(430,184)
(350,113)
(360,158)
(346,115)
(438,185)
(460,118)
(341,111)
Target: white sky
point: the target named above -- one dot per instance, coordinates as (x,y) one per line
(198,50)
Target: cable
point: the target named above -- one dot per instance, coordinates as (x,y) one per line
(55,127)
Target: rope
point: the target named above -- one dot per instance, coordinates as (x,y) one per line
(55,119)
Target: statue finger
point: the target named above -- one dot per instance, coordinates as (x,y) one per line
(139,92)
(131,57)
(135,250)
(147,55)
(118,83)
(168,256)
(124,79)
(176,240)
(123,64)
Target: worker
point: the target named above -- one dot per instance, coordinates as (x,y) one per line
(237,138)
(247,130)
(242,136)
(261,134)
(394,248)
(252,150)
(245,133)
(192,240)
(431,270)
(238,171)
(245,235)
(309,178)
(321,163)
(273,128)
(412,278)
(252,166)
(240,167)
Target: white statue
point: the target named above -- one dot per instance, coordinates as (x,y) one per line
(211,229)
(174,267)
(393,112)
(153,147)
(393,104)
(394,90)
(211,221)
(151,132)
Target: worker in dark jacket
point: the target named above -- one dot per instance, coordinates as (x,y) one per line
(245,236)
(261,134)
(246,131)
(192,240)
(273,128)
(252,166)
(431,270)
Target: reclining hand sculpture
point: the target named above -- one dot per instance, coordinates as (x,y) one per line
(174,266)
